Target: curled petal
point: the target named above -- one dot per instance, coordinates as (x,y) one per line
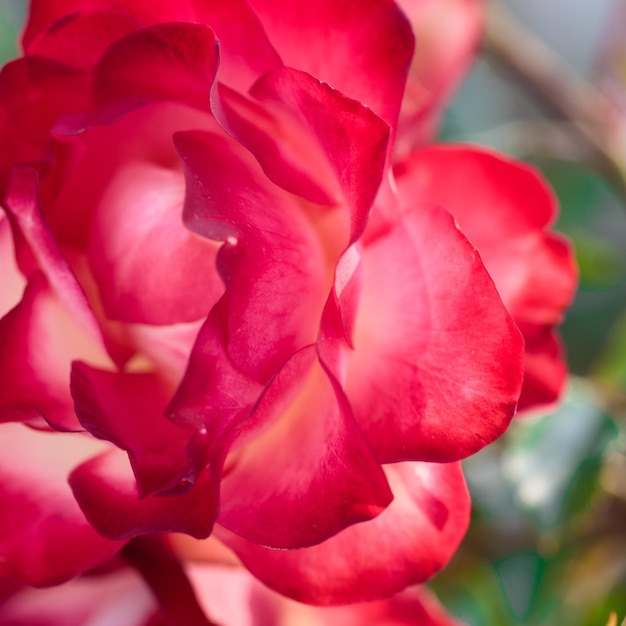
(106,491)
(44,537)
(406,544)
(436,369)
(127,409)
(272,263)
(305,126)
(322,477)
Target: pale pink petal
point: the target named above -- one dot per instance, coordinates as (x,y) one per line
(149,268)
(410,541)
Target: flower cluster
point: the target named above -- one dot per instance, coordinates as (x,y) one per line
(245,297)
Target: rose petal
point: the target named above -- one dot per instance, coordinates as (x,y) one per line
(363,48)
(447,34)
(78,40)
(322,477)
(44,12)
(106,491)
(303,127)
(273,264)
(232,596)
(38,341)
(44,537)
(13,281)
(150,269)
(437,363)
(166,61)
(34,93)
(412,539)
(127,409)
(505,209)
(118,597)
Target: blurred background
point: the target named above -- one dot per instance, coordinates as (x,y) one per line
(547,544)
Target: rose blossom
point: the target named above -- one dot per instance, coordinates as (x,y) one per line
(216,264)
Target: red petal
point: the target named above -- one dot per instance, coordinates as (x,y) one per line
(78,40)
(44,12)
(310,139)
(363,48)
(304,472)
(34,94)
(166,61)
(411,540)
(127,409)
(272,263)
(44,537)
(436,369)
(504,208)
(106,491)
(246,51)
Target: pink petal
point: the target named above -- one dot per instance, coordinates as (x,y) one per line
(273,264)
(437,363)
(411,540)
(447,34)
(149,268)
(303,471)
(505,209)
(127,409)
(362,48)
(44,537)
(78,40)
(106,491)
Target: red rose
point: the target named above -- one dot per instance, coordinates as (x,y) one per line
(216,267)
